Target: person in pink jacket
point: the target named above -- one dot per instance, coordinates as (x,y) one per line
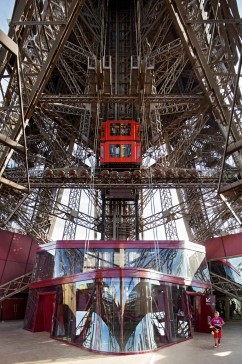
(216,324)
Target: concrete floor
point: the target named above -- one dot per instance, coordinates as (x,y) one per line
(18,346)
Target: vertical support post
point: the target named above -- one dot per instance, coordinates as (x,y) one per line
(103,216)
(136,215)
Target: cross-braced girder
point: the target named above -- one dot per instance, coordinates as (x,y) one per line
(174,66)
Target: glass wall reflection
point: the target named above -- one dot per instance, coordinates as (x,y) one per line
(121,314)
(171,261)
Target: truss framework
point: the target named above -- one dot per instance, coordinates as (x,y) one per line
(78,64)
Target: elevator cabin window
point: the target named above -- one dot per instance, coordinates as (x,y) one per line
(120,129)
(120,150)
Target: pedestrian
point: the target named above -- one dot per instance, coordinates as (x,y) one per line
(216,324)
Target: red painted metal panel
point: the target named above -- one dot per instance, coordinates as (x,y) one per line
(2,265)
(38,323)
(45,309)
(112,130)
(136,244)
(20,247)
(204,307)
(29,268)
(5,242)
(120,152)
(214,249)
(13,309)
(49,304)
(233,244)
(224,247)
(32,253)
(12,270)
(117,273)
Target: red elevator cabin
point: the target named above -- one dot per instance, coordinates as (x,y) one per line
(120,143)
(120,153)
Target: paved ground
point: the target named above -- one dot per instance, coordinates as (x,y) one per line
(18,346)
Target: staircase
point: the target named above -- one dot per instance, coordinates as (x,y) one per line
(226,286)
(15,286)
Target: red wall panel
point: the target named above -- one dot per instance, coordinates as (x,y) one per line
(29,268)
(13,270)
(13,309)
(32,252)
(2,265)
(20,248)
(17,255)
(204,307)
(233,244)
(228,246)
(5,243)
(214,249)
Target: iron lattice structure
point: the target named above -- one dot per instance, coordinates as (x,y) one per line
(175,66)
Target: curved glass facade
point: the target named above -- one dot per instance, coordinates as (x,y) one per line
(117,297)
(178,262)
(121,315)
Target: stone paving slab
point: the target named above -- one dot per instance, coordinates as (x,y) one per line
(18,346)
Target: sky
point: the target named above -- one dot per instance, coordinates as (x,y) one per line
(6,13)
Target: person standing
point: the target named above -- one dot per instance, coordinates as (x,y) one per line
(117,151)
(216,324)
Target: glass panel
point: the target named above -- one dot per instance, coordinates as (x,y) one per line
(68,261)
(64,322)
(198,267)
(140,258)
(231,273)
(31,309)
(85,294)
(224,269)
(44,266)
(181,327)
(146,325)
(125,129)
(176,262)
(125,150)
(234,309)
(136,315)
(98,315)
(114,129)
(120,150)
(112,150)
(99,258)
(172,262)
(122,129)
